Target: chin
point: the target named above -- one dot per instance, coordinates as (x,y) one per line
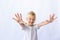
(31,24)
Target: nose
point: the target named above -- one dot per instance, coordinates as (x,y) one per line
(32,21)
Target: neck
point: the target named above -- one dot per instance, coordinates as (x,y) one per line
(31,25)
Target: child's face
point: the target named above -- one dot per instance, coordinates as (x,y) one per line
(30,19)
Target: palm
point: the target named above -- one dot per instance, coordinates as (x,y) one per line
(52,17)
(18,17)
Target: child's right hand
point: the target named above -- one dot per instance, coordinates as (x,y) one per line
(18,18)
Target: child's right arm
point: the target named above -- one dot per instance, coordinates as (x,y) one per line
(18,18)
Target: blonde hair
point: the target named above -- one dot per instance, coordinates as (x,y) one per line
(31,13)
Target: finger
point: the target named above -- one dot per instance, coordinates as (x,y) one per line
(16,15)
(55,18)
(53,15)
(14,19)
(50,17)
(20,15)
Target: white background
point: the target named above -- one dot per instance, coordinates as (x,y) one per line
(11,30)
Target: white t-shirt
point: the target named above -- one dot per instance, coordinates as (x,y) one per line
(30,32)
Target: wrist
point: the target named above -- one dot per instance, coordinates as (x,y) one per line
(48,21)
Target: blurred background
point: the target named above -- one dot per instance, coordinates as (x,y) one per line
(11,30)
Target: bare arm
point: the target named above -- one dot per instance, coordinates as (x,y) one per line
(51,19)
(18,18)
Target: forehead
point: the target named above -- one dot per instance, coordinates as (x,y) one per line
(30,16)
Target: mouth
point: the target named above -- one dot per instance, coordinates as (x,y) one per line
(31,22)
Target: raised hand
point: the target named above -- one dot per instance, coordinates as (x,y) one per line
(52,18)
(18,18)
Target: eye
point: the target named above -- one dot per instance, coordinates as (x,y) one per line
(29,18)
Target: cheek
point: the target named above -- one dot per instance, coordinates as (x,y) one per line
(28,21)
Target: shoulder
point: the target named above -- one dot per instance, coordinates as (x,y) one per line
(36,26)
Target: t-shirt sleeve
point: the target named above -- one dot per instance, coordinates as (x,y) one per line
(36,26)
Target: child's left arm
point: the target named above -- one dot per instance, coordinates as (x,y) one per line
(51,19)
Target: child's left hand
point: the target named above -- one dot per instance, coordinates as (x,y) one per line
(52,18)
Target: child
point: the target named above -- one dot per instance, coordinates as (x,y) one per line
(29,27)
